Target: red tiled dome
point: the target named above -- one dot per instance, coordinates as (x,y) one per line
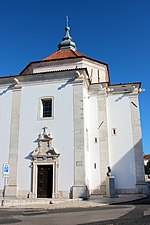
(64,54)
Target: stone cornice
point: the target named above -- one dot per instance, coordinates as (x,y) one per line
(130,88)
(105,88)
(98,88)
(54,76)
(16,87)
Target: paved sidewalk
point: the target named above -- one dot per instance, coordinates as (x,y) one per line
(118,199)
(93,201)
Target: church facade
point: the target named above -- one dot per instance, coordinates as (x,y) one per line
(63,124)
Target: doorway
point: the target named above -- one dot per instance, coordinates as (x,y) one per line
(45,181)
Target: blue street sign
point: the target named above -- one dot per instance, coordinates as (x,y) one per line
(6,170)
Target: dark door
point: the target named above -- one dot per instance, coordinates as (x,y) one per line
(45,181)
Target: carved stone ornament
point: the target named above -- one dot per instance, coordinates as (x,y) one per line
(108,171)
(45,149)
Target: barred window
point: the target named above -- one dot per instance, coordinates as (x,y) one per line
(47,107)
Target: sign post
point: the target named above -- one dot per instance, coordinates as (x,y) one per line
(5,175)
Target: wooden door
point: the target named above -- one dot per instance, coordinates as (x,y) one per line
(45,181)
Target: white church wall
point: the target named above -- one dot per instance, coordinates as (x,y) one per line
(86,136)
(97,71)
(121,149)
(5,122)
(94,166)
(61,128)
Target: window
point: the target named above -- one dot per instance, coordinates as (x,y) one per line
(98,75)
(46,108)
(114,132)
(95,140)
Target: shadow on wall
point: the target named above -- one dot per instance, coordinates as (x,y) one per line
(65,84)
(121,97)
(129,170)
(7,89)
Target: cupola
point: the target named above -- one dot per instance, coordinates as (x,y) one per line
(67,42)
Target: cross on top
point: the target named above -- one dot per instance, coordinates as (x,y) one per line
(67,21)
(45,130)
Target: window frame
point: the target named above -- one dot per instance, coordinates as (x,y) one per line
(40,111)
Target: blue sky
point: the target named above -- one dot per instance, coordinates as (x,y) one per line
(113,31)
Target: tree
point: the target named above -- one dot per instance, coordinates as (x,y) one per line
(147,168)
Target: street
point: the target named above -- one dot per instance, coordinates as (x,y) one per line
(137,212)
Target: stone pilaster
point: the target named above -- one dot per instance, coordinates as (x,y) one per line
(79,189)
(11,188)
(103,138)
(137,143)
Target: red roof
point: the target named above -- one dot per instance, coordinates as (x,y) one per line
(64,54)
(147,157)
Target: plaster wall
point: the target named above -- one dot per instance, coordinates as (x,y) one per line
(97,71)
(121,149)
(94,166)
(5,122)
(86,136)
(61,128)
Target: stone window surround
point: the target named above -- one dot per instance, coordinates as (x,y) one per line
(40,108)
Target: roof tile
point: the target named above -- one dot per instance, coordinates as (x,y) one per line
(147,157)
(64,54)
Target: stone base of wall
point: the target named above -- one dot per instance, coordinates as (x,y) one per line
(79,192)
(26,194)
(148,188)
(23,194)
(125,191)
(103,189)
(95,192)
(11,191)
(63,194)
(141,188)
